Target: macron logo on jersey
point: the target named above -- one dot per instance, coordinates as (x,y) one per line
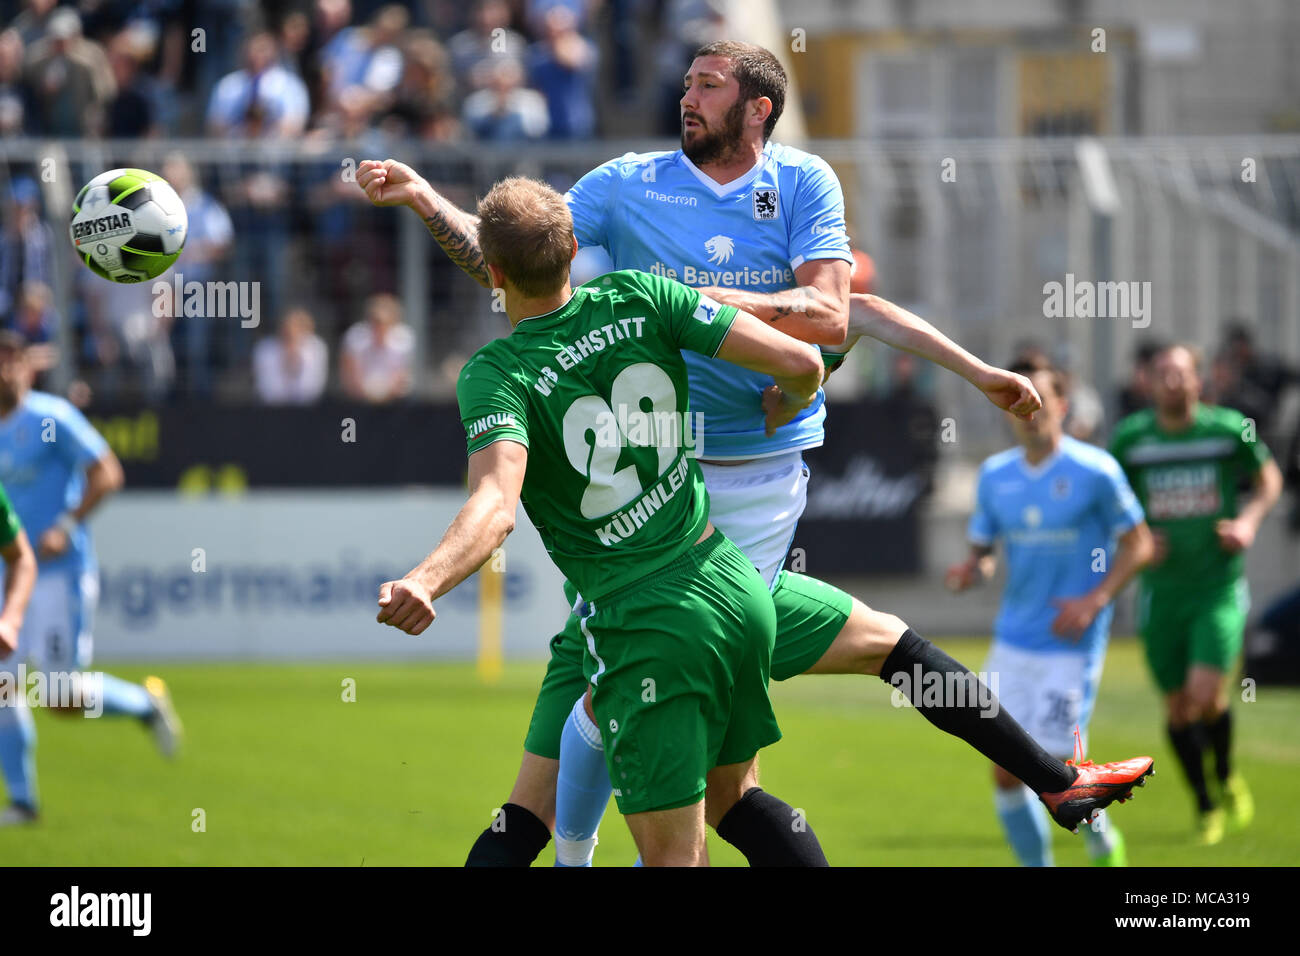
(707,310)
(489,422)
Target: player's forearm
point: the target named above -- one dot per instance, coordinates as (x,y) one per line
(102,479)
(455,230)
(1134,553)
(20,578)
(895,326)
(806,313)
(478,529)
(1267,491)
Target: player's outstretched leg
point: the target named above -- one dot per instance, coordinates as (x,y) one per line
(18,762)
(951,697)
(583,790)
(767,830)
(521,828)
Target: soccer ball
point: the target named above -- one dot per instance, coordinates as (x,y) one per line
(128,225)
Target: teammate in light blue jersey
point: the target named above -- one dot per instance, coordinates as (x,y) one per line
(1058,506)
(57,469)
(757,226)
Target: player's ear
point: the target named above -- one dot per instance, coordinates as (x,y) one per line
(573,253)
(761,110)
(497,275)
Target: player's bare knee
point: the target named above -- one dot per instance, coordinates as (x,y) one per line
(876,639)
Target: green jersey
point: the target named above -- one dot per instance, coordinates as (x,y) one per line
(1187,481)
(9,523)
(596,391)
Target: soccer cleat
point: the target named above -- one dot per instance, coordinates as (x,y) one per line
(1210,826)
(17,814)
(163,722)
(1095,788)
(1118,856)
(1237,802)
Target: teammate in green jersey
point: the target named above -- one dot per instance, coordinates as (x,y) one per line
(1186,460)
(19,577)
(579,413)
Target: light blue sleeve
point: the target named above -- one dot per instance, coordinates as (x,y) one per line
(983,527)
(590,200)
(1116,502)
(76,440)
(817,228)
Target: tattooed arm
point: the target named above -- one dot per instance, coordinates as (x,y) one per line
(391,183)
(815,311)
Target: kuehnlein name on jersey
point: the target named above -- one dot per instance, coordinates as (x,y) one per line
(630,520)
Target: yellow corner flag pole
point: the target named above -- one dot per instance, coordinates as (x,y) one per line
(491,616)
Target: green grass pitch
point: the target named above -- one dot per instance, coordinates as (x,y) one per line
(286,772)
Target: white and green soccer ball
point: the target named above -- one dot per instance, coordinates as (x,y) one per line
(128,225)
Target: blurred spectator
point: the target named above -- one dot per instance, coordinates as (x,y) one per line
(365,62)
(562,66)
(70,79)
(129,335)
(1253,384)
(906,404)
(34,20)
(15,95)
(690,24)
(490,38)
(378,353)
(132,113)
(262,100)
(538,11)
(207,244)
(34,317)
(1136,393)
(505,110)
(291,367)
(26,245)
(424,104)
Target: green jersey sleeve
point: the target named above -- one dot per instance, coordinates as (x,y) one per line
(491,406)
(1251,454)
(9,523)
(694,321)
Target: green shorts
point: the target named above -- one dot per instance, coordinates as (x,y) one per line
(809,616)
(679,665)
(1181,629)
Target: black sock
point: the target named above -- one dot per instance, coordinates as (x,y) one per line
(515,838)
(770,832)
(1189,745)
(1219,733)
(957,702)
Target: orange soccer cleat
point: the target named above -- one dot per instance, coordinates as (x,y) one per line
(1096,787)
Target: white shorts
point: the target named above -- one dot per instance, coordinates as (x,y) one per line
(757,505)
(1047,694)
(56,628)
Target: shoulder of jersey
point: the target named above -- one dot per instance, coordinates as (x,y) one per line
(635,163)
(1088,455)
(1223,417)
(1002,459)
(43,403)
(1140,421)
(783,155)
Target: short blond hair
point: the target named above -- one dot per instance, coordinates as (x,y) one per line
(525,229)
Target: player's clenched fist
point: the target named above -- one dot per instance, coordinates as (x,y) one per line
(389,183)
(405,604)
(1010,392)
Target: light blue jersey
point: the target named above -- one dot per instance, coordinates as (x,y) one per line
(657,212)
(45,446)
(1058,522)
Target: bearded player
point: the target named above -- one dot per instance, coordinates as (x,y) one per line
(1186,461)
(759,226)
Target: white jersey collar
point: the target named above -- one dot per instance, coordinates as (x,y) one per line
(723,189)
